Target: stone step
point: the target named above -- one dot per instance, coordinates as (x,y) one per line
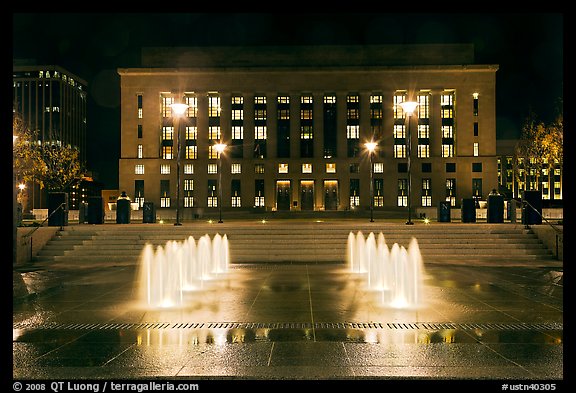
(296,242)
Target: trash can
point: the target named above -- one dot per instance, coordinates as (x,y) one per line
(57,215)
(444,211)
(532,215)
(95,210)
(148,213)
(495,209)
(512,206)
(123,211)
(82,213)
(468,209)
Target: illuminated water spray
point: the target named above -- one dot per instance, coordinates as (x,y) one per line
(395,272)
(169,271)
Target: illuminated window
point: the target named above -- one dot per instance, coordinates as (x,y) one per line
(378,192)
(235,191)
(259,193)
(259,168)
(212,169)
(447,115)
(139,169)
(423,151)
(192,102)
(399,98)
(189,193)
(423,131)
(402,192)
(236,168)
(167,101)
(139,192)
(423,105)
(165,169)
(188,169)
(451,191)
(306,168)
(282,168)
(399,151)
(426,192)
(378,167)
(306,132)
(477,188)
(237,114)
(191,133)
(214,133)
(168,133)
(164,193)
(167,152)
(353,132)
(191,152)
(260,132)
(139,151)
(330,168)
(476,149)
(237,132)
(213,106)
(354,193)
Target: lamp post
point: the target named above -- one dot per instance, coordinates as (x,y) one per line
(220,147)
(409,107)
(177,112)
(371,146)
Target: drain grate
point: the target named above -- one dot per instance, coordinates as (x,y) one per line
(296,325)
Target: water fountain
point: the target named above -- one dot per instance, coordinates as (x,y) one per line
(396,272)
(169,271)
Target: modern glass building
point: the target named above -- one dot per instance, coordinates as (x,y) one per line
(52,102)
(295,121)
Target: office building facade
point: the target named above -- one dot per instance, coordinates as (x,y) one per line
(295,121)
(52,103)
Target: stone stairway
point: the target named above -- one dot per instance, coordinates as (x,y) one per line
(287,241)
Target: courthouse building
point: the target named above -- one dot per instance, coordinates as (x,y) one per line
(295,121)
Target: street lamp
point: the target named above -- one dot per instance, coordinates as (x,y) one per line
(409,107)
(371,146)
(220,147)
(177,112)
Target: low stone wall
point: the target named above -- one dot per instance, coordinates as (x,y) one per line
(552,240)
(29,246)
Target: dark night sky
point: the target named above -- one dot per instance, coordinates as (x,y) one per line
(527,46)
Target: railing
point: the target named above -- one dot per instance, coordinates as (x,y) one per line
(558,232)
(28,235)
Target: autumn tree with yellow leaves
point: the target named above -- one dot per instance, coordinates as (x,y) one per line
(52,164)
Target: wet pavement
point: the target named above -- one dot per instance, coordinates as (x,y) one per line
(291,322)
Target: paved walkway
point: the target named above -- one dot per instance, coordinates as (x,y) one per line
(292,322)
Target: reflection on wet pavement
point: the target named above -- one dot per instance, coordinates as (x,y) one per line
(298,321)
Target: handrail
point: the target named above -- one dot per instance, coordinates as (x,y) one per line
(61,206)
(558,233)
(542,217)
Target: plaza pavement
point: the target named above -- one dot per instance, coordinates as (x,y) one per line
(292,322)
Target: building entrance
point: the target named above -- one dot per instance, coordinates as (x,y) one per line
(307,194)
(283,194)
(330,194)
